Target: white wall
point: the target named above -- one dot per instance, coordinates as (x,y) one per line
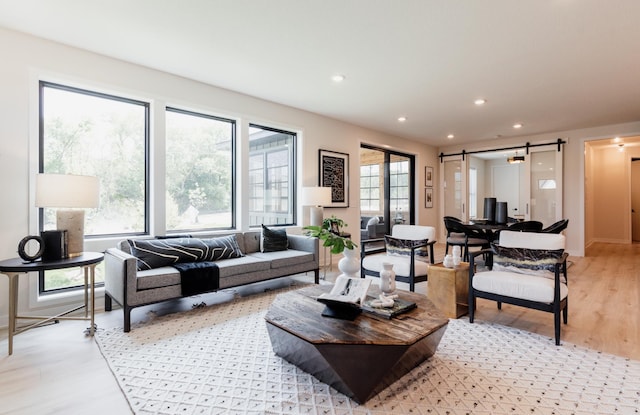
(26,60)
(574,169)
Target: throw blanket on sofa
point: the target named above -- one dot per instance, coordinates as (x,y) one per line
(198,277)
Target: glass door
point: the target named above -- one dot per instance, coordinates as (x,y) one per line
(545,186)
(454,188)
(387,180)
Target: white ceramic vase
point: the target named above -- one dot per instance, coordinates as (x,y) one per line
(448,261)
(349,264)
(387,278)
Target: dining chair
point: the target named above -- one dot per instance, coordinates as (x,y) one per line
(464,236)
(557,227)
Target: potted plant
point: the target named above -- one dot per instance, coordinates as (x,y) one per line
(329,233)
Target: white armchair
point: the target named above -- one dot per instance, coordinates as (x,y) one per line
(408,248)
(526,269)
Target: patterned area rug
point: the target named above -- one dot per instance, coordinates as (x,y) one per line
(218,360)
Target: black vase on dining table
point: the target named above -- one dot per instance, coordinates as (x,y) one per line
(501,213)
(490,208)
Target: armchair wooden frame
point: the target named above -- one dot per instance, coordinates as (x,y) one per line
(556,307)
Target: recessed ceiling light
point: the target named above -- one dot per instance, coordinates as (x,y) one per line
(402,119)
(517,125)
(338,78)
(480,101)
(450,136)
(616,140)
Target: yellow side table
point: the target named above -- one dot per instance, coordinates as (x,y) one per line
(448,289)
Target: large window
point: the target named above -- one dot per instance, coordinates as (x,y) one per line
(199,171)
(84,132)
(88,133)
(271,176)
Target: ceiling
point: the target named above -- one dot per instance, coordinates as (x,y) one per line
(552,65)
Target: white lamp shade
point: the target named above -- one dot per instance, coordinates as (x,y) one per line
(316,196)
(67,191)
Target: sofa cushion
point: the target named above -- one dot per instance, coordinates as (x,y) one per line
(281,259)
(273,240)
(162,252)
(540,262)
(167,276)
(245,265)
(402,247)
(524,286)
(157,278)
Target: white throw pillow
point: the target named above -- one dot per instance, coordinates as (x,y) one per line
(373,221)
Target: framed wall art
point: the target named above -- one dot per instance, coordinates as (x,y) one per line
(428,197)
(428,176)
(334,173)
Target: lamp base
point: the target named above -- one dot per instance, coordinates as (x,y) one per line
(73,222)
(316,214)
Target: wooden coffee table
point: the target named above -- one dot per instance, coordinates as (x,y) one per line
(358,358)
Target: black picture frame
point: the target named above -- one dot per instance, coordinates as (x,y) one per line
(334,173)
(428,197)
(428,176)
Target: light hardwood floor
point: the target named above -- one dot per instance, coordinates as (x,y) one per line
(57,370)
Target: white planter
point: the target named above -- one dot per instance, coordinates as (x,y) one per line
(349,265)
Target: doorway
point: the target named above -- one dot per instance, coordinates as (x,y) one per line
(635,200)
(387,182)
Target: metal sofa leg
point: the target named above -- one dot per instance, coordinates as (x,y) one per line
(108,305)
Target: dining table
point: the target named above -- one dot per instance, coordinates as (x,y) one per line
(489,228)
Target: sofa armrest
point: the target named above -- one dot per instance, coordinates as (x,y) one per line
(120,274)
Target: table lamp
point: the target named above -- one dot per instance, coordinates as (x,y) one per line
(316,197)
(71,194)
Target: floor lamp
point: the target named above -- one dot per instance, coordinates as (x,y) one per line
(316,197)
(73,194)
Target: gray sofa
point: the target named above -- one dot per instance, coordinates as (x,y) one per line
(371,231)
(131,288)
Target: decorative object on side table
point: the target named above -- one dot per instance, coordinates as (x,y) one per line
(23,248)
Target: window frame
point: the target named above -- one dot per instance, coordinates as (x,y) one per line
(233,158)
(42,84)
(293,152)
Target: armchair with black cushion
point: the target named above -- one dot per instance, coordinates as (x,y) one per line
(408,248)
(372,227)
(524,269)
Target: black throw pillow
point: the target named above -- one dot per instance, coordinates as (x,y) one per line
(273,240)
